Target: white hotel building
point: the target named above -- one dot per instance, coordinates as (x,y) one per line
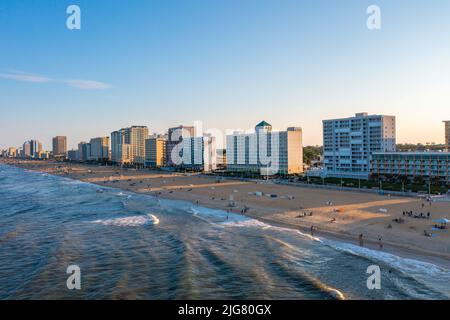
(349,143)
(195,153)
(265,152)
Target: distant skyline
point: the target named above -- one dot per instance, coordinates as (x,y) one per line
(228,63)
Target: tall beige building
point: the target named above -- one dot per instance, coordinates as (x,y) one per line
(447,135)
(128,145)
(155,152)
(60,146)
(12,152)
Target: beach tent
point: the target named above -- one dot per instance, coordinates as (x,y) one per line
(442,220)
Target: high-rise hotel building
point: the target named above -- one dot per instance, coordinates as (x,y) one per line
(155,151)
(59,147)
(195,153)
(175,136)
(31,149)
(265,152)
(349,143)
(128,145)
(99,149)
(447,135)
(84,151)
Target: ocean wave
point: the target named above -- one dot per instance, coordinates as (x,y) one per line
(423,272)
(132,221)
(226,218)
(247,223)
(419,271)
(229,219)
(68,181)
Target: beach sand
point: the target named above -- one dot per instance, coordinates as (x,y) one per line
(350,213)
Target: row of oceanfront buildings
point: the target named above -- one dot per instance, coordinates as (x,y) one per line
(357,147)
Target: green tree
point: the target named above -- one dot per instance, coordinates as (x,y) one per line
(311,153)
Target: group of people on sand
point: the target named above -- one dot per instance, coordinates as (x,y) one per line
(417,215)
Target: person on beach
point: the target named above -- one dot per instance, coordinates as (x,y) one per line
(312,230)
(361,241)
(380,243)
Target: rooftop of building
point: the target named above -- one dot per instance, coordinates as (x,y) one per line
(263,124)
(413,153)
(360,115)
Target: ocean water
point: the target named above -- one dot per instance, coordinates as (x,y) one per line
(132,246)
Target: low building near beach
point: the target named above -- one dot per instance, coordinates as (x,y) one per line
(72,155)
(447,135)
(431,166)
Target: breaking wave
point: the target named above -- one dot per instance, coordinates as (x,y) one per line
(133,221)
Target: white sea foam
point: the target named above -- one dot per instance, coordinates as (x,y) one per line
(224,218)
(423,272)
(246,223)
(219,217)
(396,261)
(132,221)
(123,194)
(71,182)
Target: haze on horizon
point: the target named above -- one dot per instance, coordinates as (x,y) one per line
(228,63)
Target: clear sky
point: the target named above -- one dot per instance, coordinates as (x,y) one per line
(228,63)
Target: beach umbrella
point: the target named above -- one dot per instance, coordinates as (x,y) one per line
(442,220)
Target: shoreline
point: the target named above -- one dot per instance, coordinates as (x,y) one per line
(272,215)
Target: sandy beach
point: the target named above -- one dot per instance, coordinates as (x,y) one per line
(336,214)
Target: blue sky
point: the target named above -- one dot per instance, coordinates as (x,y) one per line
(228,63)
